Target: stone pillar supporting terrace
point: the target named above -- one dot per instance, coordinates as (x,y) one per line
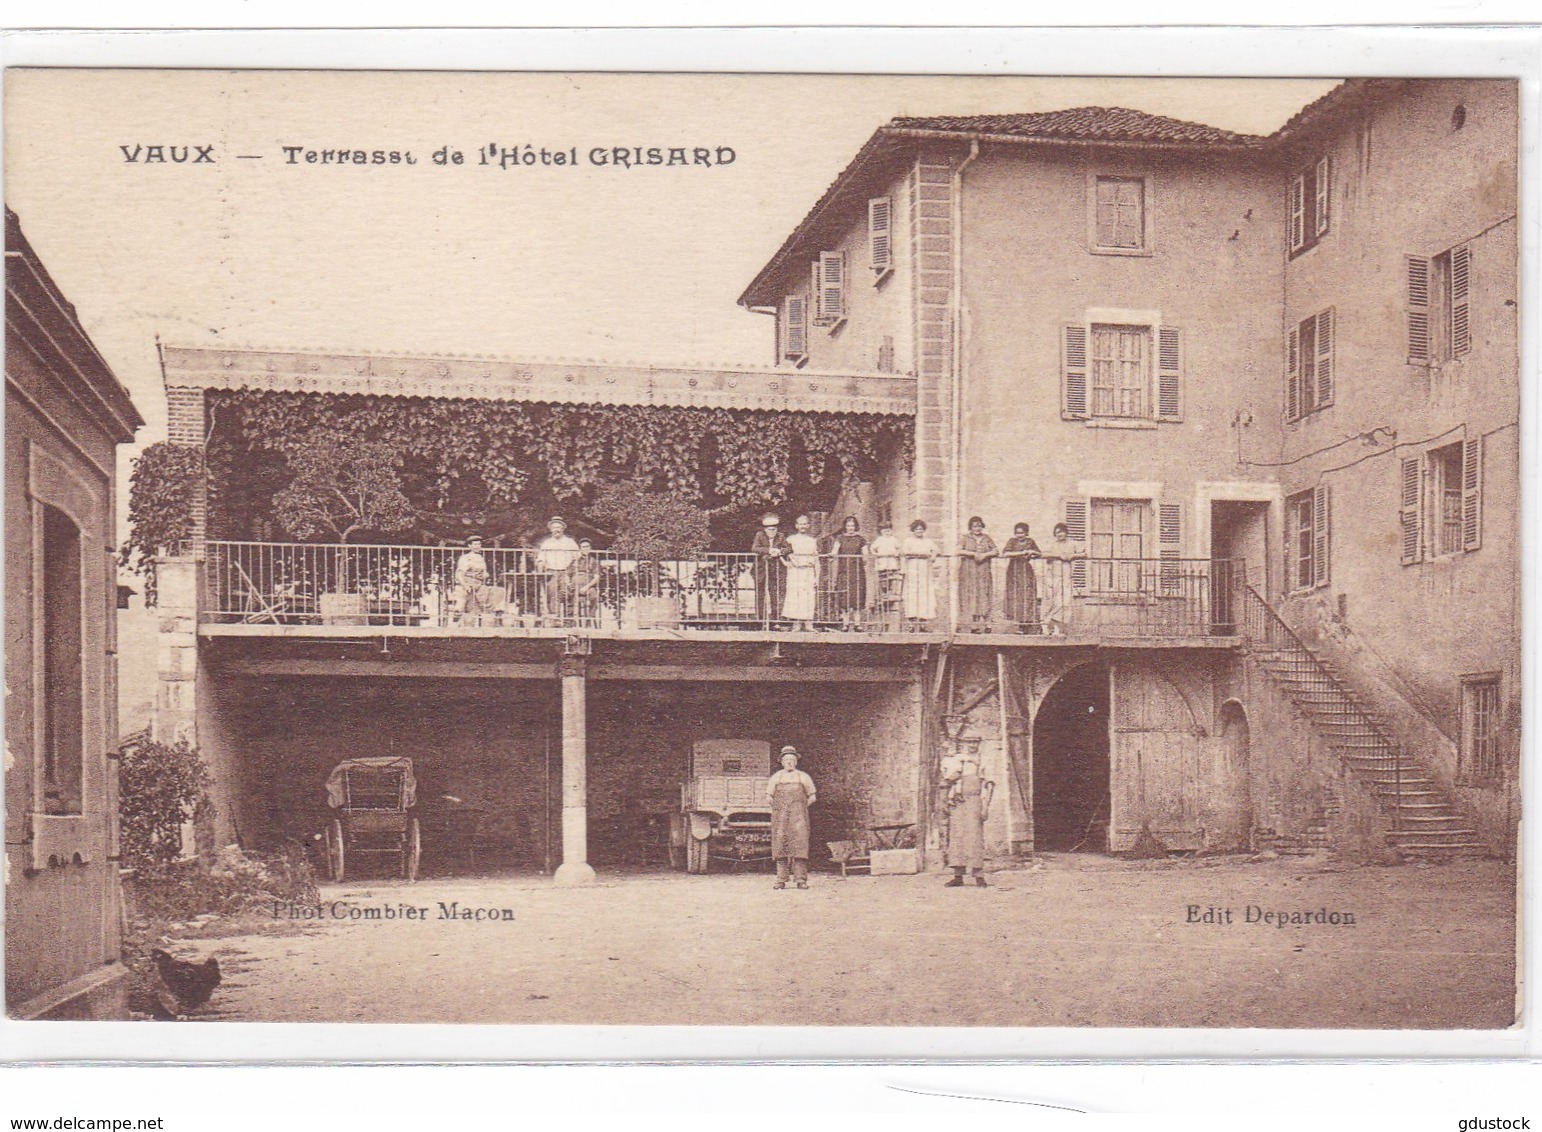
(575,868)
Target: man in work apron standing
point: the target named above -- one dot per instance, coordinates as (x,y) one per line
(791,793)
(968,799)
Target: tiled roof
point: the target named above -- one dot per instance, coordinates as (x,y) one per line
(1084,123)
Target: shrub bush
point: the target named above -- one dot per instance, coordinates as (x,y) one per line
(161,786)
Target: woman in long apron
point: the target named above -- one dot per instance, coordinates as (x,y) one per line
(798,605)
(791,793)
(1021,603)
(918,553)
(967,797)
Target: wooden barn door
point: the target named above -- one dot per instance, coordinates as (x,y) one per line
(1155,762)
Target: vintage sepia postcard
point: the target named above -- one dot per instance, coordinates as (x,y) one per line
(762,550)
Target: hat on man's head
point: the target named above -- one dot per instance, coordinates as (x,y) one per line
(473,538)
(556,519)
(770,519)
(789,750)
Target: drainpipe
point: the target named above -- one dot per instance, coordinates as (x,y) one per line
(956,488)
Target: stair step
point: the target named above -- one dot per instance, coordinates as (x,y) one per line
(1436,836)
(1466,849)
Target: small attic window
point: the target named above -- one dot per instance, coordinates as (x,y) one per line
(1458,117)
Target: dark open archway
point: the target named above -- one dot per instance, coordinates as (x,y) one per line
(1071,763)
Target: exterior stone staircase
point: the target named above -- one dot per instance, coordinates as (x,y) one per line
(1423,821)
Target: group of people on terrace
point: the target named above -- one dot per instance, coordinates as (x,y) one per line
(845,581)
(799,582)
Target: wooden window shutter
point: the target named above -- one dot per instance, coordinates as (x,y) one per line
(1297,209)
(1076,532)
(1322,531)
(815,295)
(832,287)
(878,214)
(1170,547)
(1293,374)
(1410,509)
(1320,203)
(1324,393)
(1472,494)
(1461,320)
(1073,368)
(1418,276)
(1169,374)
(795,320)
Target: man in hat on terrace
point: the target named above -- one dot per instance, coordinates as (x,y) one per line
(474,594)
(770,549)
(553,555)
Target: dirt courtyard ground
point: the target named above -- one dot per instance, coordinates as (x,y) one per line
(1078,941)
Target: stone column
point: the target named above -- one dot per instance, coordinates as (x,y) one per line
(575,868)
(175,715)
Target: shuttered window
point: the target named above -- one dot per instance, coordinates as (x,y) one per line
(1308,204)
(880,249)
(1308,542)
(1417,274)
(1461,278)
(795,328)
(1472,494)
(1410,512)
(830,288)
(1075,512)
(1309,363)
(1073,366)
(1169,373)
(1440,501)
(1106,371)
(1439,302)
(1322,530)
(1170,548)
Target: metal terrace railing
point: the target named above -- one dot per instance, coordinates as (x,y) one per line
(529,588)
(1104,597)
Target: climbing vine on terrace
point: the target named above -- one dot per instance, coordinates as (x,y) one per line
(461,456)
(163,488)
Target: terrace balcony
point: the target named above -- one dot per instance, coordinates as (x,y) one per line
(336,591)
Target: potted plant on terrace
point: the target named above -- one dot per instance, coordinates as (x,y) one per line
(653,528)
(341,489)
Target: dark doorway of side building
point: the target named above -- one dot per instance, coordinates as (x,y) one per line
(1071,763)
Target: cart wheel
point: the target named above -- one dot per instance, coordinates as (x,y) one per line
(335,850)
(413,851)
(696,855)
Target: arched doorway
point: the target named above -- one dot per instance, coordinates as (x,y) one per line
(1234,780)
(1071,764)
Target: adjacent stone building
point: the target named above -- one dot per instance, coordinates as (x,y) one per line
(65,415)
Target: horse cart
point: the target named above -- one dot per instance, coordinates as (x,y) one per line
(373,800)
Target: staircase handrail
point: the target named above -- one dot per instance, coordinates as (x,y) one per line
(1274,625)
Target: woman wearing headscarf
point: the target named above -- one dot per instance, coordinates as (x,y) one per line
(975,551)
(1020,604)
(791,793)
